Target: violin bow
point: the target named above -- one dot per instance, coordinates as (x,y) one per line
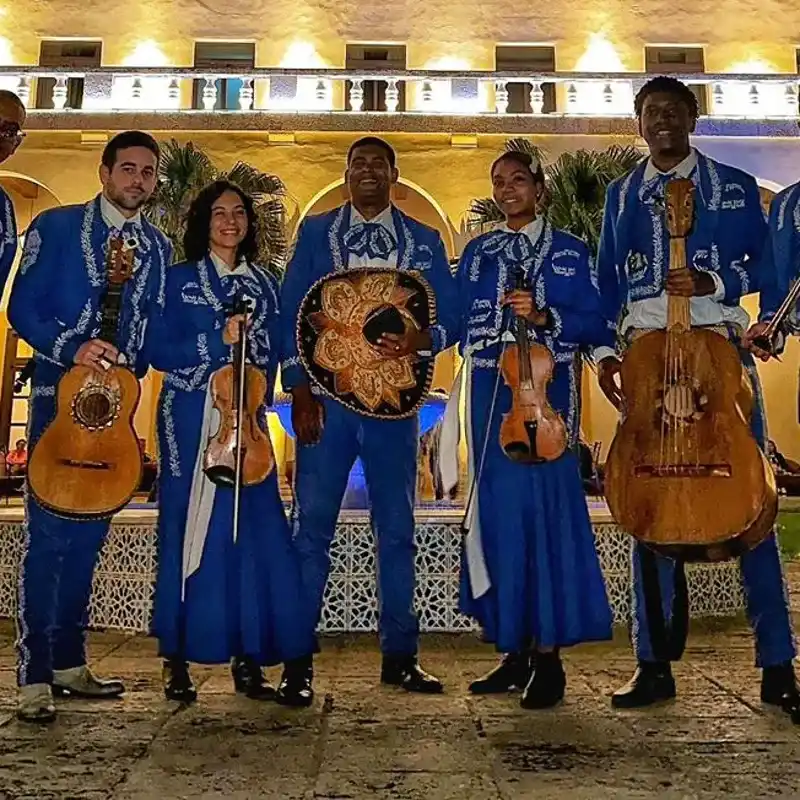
(508,319)
(240,306)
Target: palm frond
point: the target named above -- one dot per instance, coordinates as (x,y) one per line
(483,212)
(253,181)
(520,145)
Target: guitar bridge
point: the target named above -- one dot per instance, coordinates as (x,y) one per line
(72,462)
(683,471)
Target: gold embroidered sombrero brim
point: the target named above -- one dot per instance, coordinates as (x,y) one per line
(341,318)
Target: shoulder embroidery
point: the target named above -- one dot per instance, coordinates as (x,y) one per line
(30,255)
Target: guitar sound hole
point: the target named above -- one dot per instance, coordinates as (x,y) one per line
(95,408)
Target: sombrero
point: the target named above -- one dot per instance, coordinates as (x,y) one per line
(341,318)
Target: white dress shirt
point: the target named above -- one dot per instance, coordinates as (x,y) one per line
(113,217)
(386,220)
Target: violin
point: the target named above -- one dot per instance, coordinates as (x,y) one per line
(532,431)
(240,452)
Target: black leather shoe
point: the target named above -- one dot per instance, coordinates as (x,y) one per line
(777,682)
(510,675)
(81,682)
(406,672)
(295,688)
(249,679)
(651,683)
(547,683)
(177,681)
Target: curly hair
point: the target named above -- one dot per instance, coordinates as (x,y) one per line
(196,239)
(665,84)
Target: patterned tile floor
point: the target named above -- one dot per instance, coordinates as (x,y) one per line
(361,740)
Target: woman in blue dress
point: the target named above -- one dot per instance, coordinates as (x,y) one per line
(531,576)
(219,597)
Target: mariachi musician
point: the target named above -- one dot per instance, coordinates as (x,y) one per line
(530,573)
(222,594)
(357,399)
(722,250)
(780,266)
(55,306)
(12,118)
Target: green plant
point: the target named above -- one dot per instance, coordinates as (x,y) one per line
(185,169)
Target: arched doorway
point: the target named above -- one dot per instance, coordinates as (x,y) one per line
(409,197)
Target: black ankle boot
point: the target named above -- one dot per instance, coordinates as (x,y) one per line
(510,675)
(651,683)
(249,679)
(295,688)
(547,682)
(177,681)
(779,688)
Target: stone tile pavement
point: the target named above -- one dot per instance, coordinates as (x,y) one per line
(361,740)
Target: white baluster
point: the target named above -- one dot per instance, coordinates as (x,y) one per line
(392,95)
(60,93)
(537,98)
(608,94)
(321,92)
(427,93)
(357,95)
(210,94)
(501,97)
(572,98)
(246,94)
(755,98)
(174,93)
(24,90)
(719,98)
(791,99)
(136,92)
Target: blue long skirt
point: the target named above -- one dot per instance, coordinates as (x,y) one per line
(547,587)
(246,598)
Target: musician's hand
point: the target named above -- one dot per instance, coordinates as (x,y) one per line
(395,345)
(307,414)
(690,283)
(607,371)
(747,341)
(521,302)
(97,354)
(230,335)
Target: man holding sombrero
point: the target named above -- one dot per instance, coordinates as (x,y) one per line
(367,302)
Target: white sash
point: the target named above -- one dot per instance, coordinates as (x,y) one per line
(201,500)
(447,466)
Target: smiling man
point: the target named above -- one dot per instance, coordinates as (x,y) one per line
(12,120)
(723,251)
(55,305)
(367,232)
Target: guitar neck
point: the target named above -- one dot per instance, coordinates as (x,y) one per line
(679,313)
(110,314)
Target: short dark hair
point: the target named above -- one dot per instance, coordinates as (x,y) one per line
(122,141)
(666,84)
(198,223)
(524,160)
(373,141)
(5,94)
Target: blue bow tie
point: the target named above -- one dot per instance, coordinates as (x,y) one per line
(370,239)
(514,249)
(654,190)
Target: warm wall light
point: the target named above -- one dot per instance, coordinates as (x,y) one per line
(6,57)
(465,96)
(146,54)
(752,99)
(600,56)
(144,93)
(301,94)
(301,54)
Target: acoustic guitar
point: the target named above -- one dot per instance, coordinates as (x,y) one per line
(88,463)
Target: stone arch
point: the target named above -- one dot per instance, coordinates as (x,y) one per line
(408,196)
(29,196)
